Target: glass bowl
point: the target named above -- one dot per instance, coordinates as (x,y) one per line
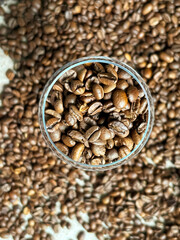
(76,63)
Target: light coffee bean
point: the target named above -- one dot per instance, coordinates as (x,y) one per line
(98,91)
(77,151)
(123,151)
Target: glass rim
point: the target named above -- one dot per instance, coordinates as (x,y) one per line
(76,63)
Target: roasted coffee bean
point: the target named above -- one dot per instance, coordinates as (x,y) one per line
(135,136)
(98,91)
(107,78)
(98,150)
(112,154)
(119,128)
(75,112)
(10,74)
(77,87)
(94,108)
(105,134)
(81,235)
(58,106)
(68,141)
(70,99)
(120,99)
(70,119)
(62,148)
(55,135)
(109,88)
(122,84)
(133,93)
(93,134)
(123,151)
(77,151)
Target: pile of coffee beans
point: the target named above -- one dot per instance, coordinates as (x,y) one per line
(96,114)
(139,200)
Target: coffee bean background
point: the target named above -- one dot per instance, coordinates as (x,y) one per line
(139,200)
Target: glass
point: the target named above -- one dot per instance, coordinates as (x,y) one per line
(105,60)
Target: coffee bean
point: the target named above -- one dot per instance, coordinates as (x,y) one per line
(98,91)
(123,151)
(77,151)
(98,150)
(48,29)
(122,84)
(81,235)
(133,93)
(112,154)
(95,108)
(166,57)
(62,148)
(55,135)
(135,136)
(10,74)
(120,99)
(147,8)
(107,78)
(93,134)
(68,141)
(105,134)
(119,128)
(75,112)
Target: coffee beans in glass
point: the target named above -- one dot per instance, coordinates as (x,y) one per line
(96,113)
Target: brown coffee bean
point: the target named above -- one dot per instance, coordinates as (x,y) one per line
(123,151)
(132,93)
(48,29)
(68,141)
(76,135)
(81,73)
(95,108)
(119,128)
(53,113)
(119,99)
(99,67)
(166,57)
(81,235)
(96,161)
(135,136)
(70,119)
(55,135)
(122,84)
(98,150)
(109,88)
(147,8)
(93,134)
(77,151)
(10,74)
(62,148)
(112,154)
(111,70)
(75,112)
(58,106)
(128,142)
(70,99)
(105,134)
(77,87)
(98,91)
(107,78)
